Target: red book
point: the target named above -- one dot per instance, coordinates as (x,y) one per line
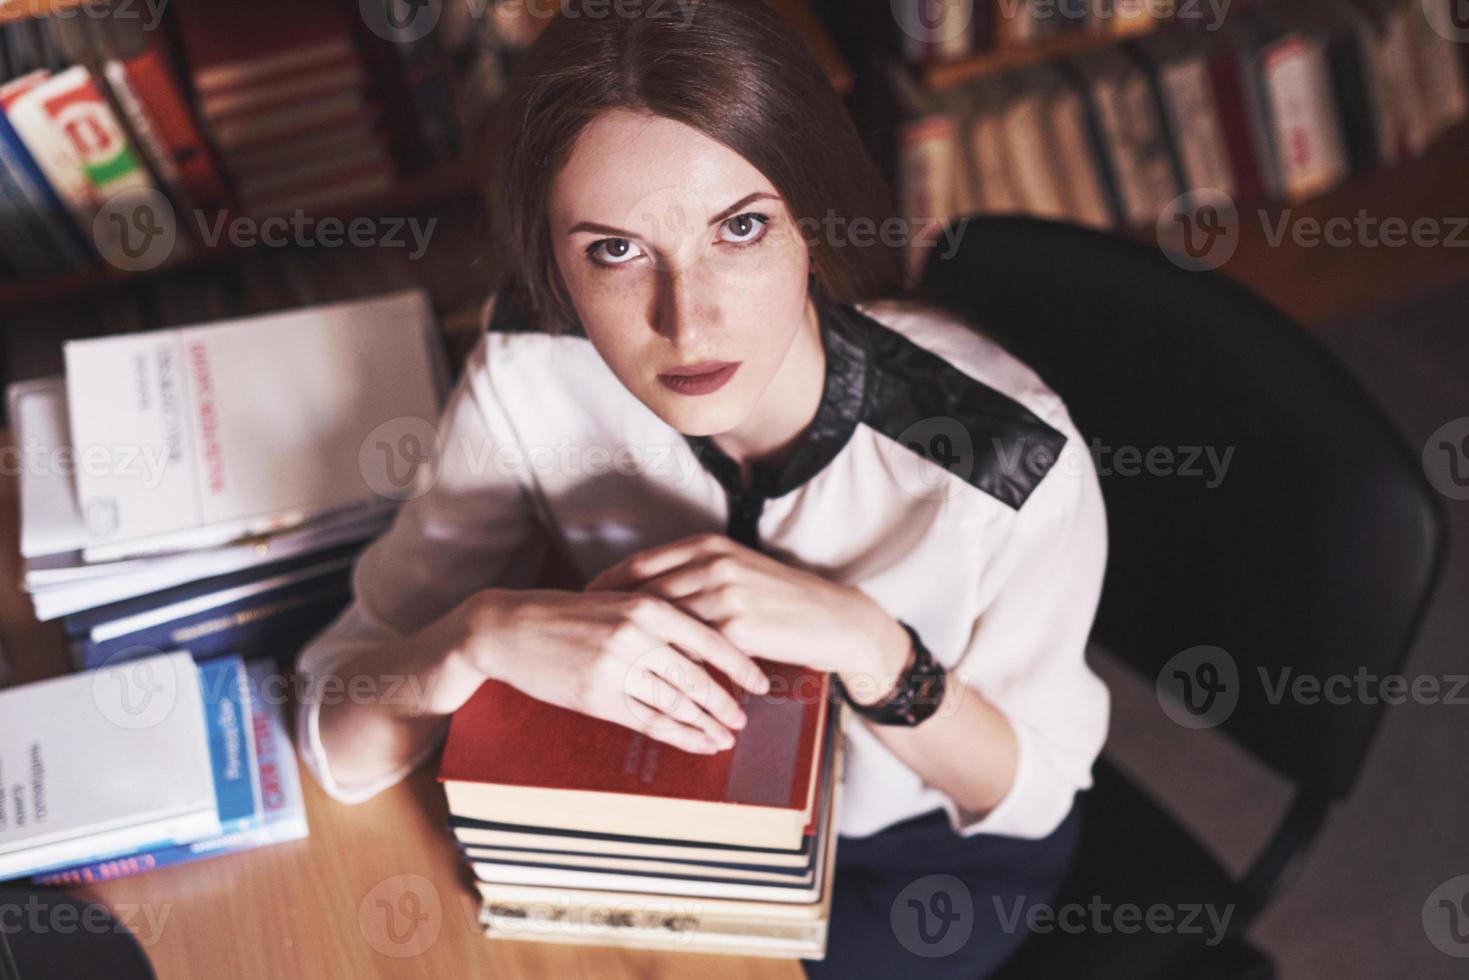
(514,759)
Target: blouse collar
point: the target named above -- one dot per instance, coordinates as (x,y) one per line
(843,395)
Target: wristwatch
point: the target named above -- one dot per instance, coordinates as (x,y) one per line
(916,695)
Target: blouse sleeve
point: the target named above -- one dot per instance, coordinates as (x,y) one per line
(1026,650)
(474,527)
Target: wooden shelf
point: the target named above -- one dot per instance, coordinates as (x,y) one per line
(947,74)
(452,181)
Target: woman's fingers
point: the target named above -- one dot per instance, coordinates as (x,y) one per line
(696,684)
(652,722)
(678,628)
(678,706)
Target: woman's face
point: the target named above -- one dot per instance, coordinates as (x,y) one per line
(684,266)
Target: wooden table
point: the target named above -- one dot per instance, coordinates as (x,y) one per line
(377,890)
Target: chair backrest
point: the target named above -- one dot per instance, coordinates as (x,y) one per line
(1311,547)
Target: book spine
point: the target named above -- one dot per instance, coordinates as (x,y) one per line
(253,627)
(158,90)
(22,235)
(56,241)
(427,84)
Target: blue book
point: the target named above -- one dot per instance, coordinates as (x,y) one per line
(271,610)
(58,230)
(278,807)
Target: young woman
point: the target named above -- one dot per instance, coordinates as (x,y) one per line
(726,426)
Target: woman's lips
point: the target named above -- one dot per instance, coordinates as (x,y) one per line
(699,379)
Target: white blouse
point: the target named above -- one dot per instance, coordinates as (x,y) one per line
(940,475)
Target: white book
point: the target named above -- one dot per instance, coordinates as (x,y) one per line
(1311,156)
(102,761)
(204,435)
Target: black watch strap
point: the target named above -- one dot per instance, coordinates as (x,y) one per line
(916,695)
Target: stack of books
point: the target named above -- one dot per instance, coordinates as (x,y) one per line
(583,831)
(179,489)
(151,763)
(282,89)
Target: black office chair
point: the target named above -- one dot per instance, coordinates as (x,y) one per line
(1317,551)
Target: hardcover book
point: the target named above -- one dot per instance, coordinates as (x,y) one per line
(512,758)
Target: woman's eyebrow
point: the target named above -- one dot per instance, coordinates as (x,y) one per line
(724,215)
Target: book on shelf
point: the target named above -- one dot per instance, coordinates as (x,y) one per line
(235,447)
(258,785)
(100,764)
(1279,105)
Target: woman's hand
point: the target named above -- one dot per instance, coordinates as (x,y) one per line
(630,658)
(769,609)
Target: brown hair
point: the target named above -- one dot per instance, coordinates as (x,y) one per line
(733,69)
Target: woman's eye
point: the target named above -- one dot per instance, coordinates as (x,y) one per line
(613,251)
(746,229)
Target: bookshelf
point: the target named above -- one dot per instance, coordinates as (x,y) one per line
(451,183)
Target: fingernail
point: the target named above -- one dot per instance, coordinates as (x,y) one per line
(741,720)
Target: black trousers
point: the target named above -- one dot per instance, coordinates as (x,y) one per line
(917,899)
